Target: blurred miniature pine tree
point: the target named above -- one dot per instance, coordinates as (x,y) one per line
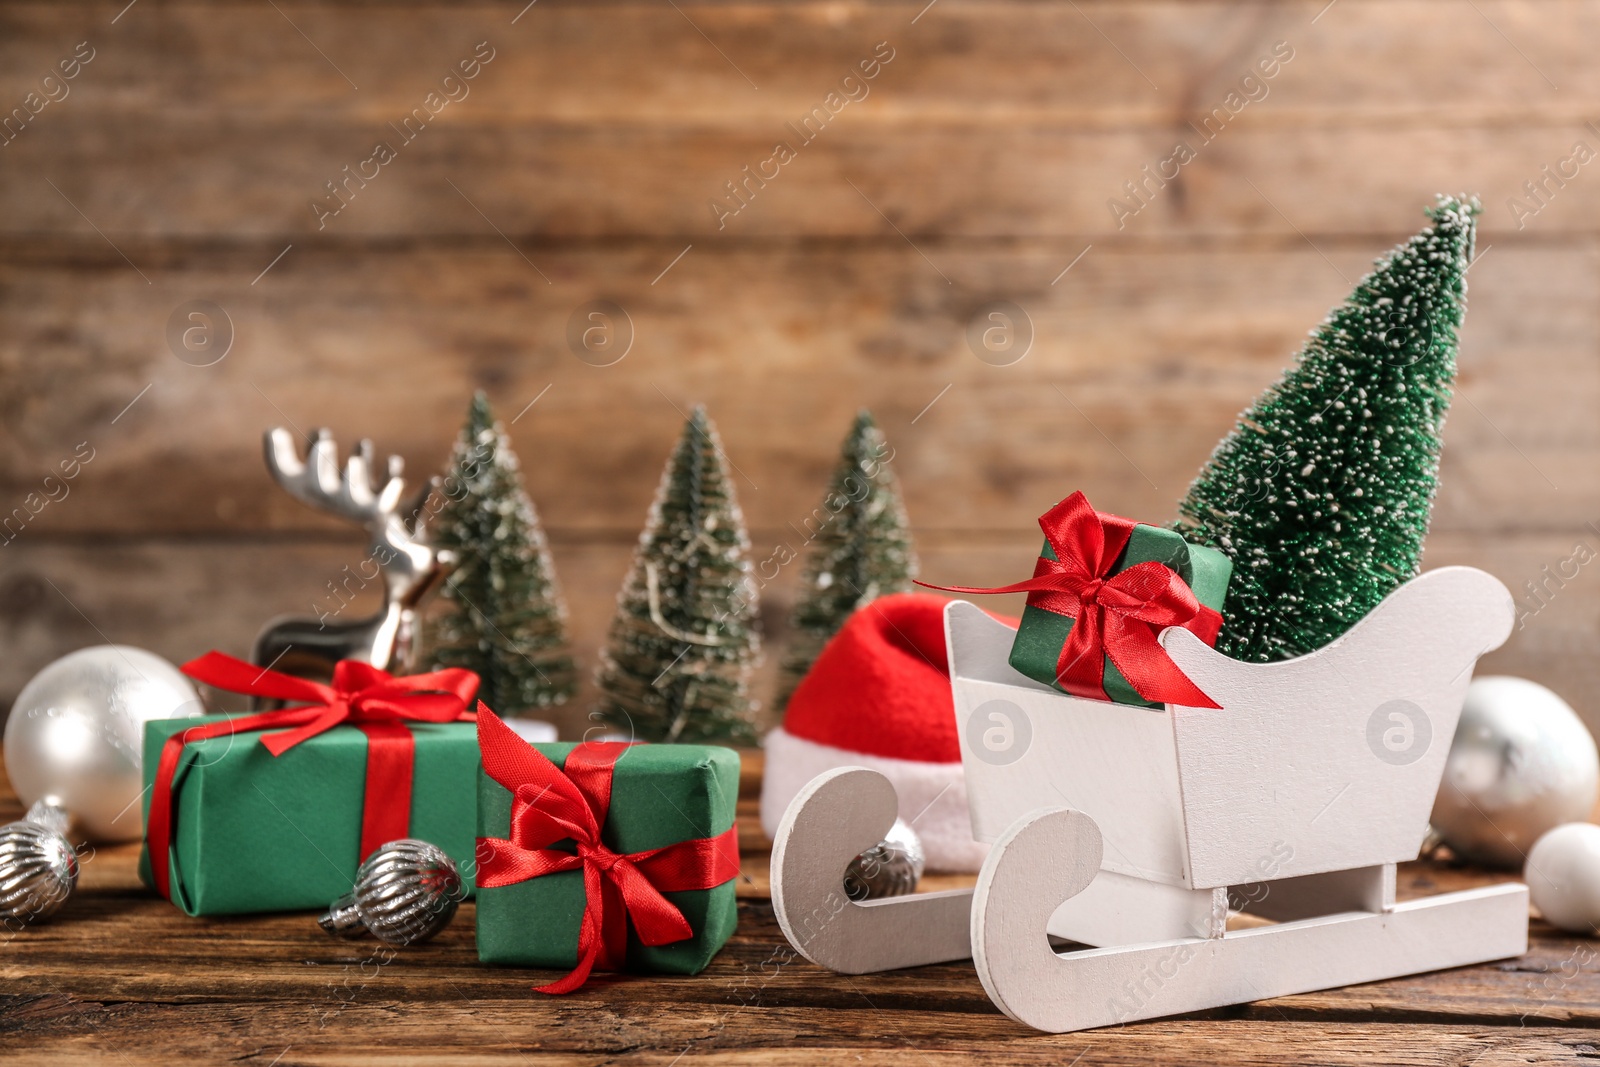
(684,640)
(502,613)
(860,550)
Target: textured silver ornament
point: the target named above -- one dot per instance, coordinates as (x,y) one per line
(1522,763)
(76,734)
(405,892)
(38,865)
(891,868)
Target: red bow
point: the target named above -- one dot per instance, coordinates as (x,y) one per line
(551,805)
(375,702)
(1118,615)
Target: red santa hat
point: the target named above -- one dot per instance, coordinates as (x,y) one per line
(879,697)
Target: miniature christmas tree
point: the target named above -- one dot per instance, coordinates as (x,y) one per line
(502,614)
(1321,495)
(860,549)
(684,639)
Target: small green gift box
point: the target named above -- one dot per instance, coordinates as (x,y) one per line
(254,832)
(1103,590)
(641,838)
(1118,547)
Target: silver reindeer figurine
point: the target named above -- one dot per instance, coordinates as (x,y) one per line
(309,647)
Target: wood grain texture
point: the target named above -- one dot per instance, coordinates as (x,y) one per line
(1140,362)
(162,986)
(576,108)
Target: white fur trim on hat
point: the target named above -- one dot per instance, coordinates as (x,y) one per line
(932,794)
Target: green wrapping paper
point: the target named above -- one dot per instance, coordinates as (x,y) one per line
(255,832)
(660,795)
(1041,635)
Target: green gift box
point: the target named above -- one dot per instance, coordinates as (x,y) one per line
(254,832)
(1037,648)
(661,795)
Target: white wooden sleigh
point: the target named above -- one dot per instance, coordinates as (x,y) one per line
(1126,830)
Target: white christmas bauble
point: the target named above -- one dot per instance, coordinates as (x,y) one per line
(1522,763)
(1563,876)
(76,734)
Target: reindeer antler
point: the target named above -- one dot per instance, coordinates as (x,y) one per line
(317,481)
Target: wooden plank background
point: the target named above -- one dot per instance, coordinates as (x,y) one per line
(183,159)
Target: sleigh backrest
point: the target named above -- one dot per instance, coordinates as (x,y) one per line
(1332,760)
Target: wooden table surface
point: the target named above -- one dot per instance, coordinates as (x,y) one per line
(122,976)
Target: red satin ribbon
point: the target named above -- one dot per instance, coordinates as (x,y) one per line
(1118,615)
(374,701)
(551,805)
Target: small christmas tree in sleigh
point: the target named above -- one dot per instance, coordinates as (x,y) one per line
(1133,832)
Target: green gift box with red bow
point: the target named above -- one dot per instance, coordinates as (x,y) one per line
(1101,593)
(274,811)
(604,855)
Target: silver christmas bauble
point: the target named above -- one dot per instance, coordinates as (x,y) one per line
(1563,876)
(405,892)
(38,866)
(1522,763)
(76,734)
(891,868)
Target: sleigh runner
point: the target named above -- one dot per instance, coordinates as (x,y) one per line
(1124,830)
